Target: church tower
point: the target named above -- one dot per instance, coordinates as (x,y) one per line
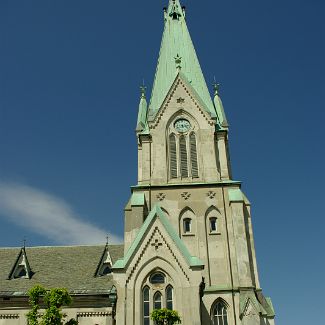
(188,231)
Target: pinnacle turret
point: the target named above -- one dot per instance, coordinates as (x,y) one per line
(222,120)
(143,107)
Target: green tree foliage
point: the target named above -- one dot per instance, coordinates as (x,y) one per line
(165,317)
(53,299)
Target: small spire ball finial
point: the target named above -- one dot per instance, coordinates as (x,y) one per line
(216,87)
(143,90)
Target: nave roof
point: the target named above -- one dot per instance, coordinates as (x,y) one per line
(71,267)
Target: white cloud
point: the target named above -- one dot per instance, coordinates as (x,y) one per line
(48,215)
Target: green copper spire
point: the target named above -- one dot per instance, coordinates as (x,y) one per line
(142,114)
(177,56)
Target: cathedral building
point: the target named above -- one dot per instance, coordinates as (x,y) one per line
(188,242)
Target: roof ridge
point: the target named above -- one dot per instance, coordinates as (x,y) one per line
(61,246)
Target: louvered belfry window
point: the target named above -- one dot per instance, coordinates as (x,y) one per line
(194,164)
(173,156)
(183,156)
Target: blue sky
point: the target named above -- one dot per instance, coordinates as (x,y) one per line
(69,89)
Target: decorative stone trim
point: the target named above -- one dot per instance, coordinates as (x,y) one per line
(9,316)
(161,196)
(211,194)
(155,234)
(95,314)
(161,111)
(157,243)
(186,195)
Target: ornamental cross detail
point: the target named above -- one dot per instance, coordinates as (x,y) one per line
(156,244)
(186,195)
(211,194)
(180,100)
(178,62)
(161,196)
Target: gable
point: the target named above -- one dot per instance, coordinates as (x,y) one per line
(21,268)
(183,88)
(148,231)
(250,306)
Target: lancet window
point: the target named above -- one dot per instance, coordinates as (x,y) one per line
(219,314)
(193,156)
(213,225)
(146,305)
(187,225)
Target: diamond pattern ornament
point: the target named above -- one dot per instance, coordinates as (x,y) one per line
(186,195)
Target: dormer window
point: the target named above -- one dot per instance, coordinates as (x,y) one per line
(106,269)
(105,264)
(21,269)
(20,272)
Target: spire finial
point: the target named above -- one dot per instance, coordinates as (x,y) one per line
(107,238)
(216,87)
(178,61)
(175,13)
(143,89)
(24,242)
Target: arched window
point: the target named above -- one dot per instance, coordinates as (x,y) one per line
(172,156)
(187,224)
(183,156)
(193,154)
(157,300)
(219,315)
(157,292)
(213,224)
(213,221)
(169,297)
(146,305)
(157,278)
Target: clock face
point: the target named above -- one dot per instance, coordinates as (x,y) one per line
(182,125)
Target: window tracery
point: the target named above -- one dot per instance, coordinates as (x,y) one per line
(219,313)
(182,150)
(157,293)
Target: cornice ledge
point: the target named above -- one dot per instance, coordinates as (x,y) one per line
(206,184)
(94,313)
(9,316)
